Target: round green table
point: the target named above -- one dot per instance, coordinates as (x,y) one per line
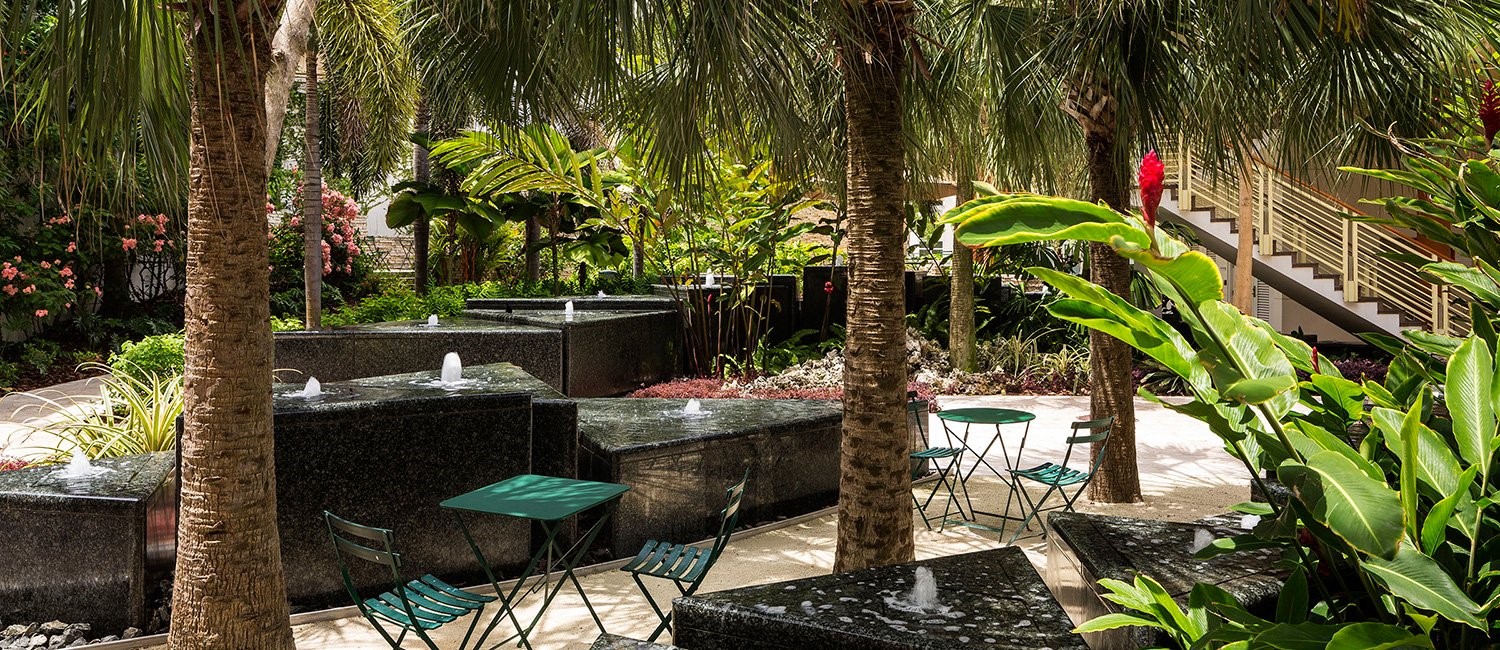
(996,417)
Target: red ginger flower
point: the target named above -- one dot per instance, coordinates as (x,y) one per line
(1152,174)
(1489,111)
(1315,363)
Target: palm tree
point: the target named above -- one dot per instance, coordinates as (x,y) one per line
(1132,74)
(230,591)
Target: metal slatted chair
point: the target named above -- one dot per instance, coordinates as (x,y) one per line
(426,603)
(685,566)
(947,479)
(1058,478)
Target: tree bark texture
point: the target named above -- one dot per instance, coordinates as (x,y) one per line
(1111,386)
(875,519)
(962,346)
(533,252)
(1244,254)
(312,203)
(230,591)
(288,47)
(421,230)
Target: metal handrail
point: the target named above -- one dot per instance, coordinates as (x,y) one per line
(1292,216)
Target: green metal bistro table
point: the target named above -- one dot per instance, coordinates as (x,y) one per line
(998,418)
(547,500)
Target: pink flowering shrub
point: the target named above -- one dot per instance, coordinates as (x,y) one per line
(346,265)
(44,273)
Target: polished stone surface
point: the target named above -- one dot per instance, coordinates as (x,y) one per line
(410,346)
(988,599)
(87,549)
(679,466)
(385,456)
(1086,548)
(614,642)
(605,352)
(632,302)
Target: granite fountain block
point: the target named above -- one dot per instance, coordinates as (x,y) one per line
(583,303)
(554,417)
(410,346)
(678,466)
(990,599)
(615,642)
(603,352)
(90,549)
(385,456)
(1085,549)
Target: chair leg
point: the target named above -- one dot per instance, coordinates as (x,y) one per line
(1034,507)
(666,617)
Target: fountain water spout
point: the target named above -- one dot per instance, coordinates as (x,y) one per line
(453,369)
(79,467)
(314,388)
(568,311)
(693,407)
(924,591)
(432,320)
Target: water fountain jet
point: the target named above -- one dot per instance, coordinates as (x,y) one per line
(313,389)
(453,369)
(568,311)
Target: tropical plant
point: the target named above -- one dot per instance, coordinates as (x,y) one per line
(1305,75)
(136,413)
(160,355)
(1384,539)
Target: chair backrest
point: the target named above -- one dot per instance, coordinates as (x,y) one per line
(1100,429)
(367,543)
(912,406)
(733,495)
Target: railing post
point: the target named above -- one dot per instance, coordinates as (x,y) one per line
(1267,211)
(1184,177)
(1351,261)
(1439,310)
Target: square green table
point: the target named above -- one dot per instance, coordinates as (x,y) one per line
(547,500)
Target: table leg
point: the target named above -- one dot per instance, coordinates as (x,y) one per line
(507,601)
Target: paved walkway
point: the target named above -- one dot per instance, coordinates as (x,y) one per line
(20,413)
(1185,475)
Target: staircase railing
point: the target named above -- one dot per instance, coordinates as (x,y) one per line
(1291,216)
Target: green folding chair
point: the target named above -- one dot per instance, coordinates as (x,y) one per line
(1058,478)
(426,603)
(948,478)
(685,566)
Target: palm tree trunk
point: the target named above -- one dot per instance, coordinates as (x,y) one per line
(533,254)
(961,343)
(312,198)
(875,520)
(230,591)
(1111,386)
(288,47)
(421,231)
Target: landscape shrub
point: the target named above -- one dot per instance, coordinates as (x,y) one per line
(160,355)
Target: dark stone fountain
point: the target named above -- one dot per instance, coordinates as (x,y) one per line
(678,464)
(87,548)
(1086,548)
(991,599)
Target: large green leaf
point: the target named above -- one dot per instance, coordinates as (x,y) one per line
(1192,272)
(1252,353)
(1094,306)
(1376,636)
(1468,277)
(1017,218)
(1421,581)
(1295,636)
(1470,400)
(1437,467)
(1362,511)
(403,211)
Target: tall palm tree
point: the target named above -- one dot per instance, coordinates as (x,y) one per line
(730,72)
(1132,73)
(229,591)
